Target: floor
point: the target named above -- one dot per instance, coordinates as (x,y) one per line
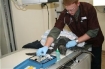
(103,60)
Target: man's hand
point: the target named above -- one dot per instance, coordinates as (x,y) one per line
(71,44)
(42,51)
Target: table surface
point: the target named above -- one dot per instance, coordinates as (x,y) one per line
(11,60)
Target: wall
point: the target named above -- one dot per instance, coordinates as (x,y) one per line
(101,18)
(29,25)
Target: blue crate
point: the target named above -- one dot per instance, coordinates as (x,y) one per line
(32,63)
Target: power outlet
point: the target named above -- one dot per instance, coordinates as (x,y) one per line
(104,10)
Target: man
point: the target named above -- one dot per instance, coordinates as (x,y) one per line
(82,20)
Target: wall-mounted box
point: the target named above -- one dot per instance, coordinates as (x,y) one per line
(26,2)
(98,2)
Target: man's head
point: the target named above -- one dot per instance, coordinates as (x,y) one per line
(71,6)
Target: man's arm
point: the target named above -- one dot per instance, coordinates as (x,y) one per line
(83,38)
(54,33)
(89,34)
(49,41)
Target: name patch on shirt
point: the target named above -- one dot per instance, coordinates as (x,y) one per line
(83,18)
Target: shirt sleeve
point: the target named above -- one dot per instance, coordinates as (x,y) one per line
(92,33)
(54,33)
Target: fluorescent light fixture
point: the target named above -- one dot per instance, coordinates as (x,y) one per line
(98,2)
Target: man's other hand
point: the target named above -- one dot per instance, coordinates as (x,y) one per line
(71,44)
(42,51)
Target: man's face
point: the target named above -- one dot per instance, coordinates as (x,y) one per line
(72,8)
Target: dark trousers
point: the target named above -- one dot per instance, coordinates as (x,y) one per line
(96,61)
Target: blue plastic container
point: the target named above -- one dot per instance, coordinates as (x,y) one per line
(37,65)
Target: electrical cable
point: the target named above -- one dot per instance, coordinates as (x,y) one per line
(48,15)
(55,11)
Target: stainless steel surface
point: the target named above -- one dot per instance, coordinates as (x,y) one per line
(67,58)
(64,60)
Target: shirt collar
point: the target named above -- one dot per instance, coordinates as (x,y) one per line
(77,14)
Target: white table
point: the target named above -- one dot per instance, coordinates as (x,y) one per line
(11,60)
